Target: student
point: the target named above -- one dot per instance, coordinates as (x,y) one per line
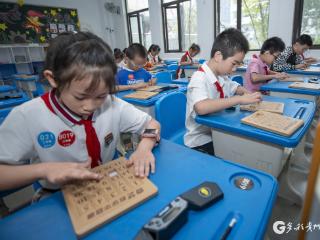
(292,57)
(118,58)
(187,59)
(133,75)
(74,126)
(258,72)
(211,91)
(153,55)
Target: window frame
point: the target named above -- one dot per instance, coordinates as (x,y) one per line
(239,18)
(164,7)
(137,15)
(297,22)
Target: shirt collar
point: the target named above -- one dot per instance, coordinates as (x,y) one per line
(64,114)
(211,76)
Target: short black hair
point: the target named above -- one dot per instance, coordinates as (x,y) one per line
(195,47)
(229,42)
(136,49)
(117,53)
(273,45)
(305,39)
(154,48)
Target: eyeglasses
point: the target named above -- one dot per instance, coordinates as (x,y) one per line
(136,65)
(274,55)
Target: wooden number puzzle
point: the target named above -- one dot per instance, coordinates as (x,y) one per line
(312,69)
(141,95)
(303,85)
(150,88)
(273,122)
(93,203)
(274,107)
(292,79)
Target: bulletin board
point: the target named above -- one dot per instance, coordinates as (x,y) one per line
(22,23)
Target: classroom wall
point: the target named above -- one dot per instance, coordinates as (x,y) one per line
(113,27)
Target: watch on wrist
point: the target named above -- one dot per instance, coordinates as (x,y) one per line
(151,133)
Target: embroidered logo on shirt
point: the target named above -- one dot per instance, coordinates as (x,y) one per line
(66,138)
(108,139)
(46,139)
(131,76)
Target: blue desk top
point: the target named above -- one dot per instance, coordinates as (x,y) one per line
(181,81)
(151,101)
(11,102)
(6,88)
(298,71)
(230,121)
(178,170)
(278,86)
(190,66)
(26,78)
(242,69)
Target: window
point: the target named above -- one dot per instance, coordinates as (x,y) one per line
(307,20)
(138,22)
(179,24)
(249,16)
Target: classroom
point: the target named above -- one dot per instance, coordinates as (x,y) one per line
(160,119)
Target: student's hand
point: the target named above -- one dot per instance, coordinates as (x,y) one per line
(140,85)
(153,81)
(281,75)
(301,66)
(143,161)
(250,98)
(64,172)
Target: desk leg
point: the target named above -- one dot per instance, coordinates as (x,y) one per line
(299,158)
(253,153)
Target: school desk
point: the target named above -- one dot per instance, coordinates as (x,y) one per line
(26,83)
(181,81)
(6,89)
(282,89)
(312,71)
(255,147)
(11,102)
(148,104)
(190,69)
(178,169)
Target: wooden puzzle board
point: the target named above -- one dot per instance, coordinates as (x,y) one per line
(303,85)
(150,88)
(312,70)
(273,122)
(274,107)
(292,79)
(93,203)
(141,95)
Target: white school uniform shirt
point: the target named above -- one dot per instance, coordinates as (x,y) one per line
(33,132)
(202,86)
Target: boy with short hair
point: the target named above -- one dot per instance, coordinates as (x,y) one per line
(258,72)
(292,57)
(133,75)
(211,91)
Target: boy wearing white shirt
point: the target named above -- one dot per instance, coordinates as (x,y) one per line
(211,91)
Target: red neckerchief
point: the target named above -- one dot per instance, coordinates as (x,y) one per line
(92,141)
(218,86)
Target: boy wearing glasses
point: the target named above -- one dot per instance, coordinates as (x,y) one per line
(292,57)
(133,75)
(258,72)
